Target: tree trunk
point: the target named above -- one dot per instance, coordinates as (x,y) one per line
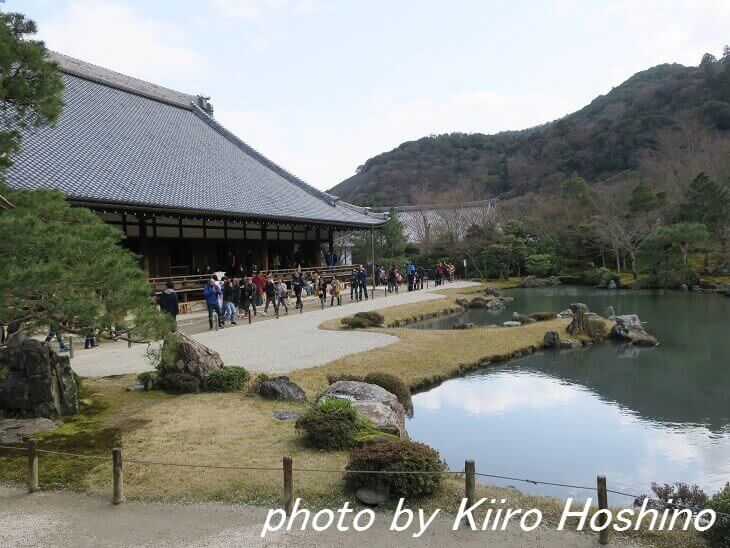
(618,261)
(632,256)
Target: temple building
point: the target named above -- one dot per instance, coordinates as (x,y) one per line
(190,196)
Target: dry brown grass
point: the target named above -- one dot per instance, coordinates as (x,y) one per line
(423,357)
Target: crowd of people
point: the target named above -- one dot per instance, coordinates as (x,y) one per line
(231,297)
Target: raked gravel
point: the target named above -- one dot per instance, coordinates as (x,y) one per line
(275,346)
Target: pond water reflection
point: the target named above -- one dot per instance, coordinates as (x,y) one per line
(636,415)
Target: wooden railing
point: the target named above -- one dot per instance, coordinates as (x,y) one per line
(190,287)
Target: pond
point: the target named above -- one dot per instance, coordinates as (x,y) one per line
(636,415)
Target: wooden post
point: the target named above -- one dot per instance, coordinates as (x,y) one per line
(129,340)
(32,467)
(248,314)
(288,485)
(70,347)
(602,505)
(118,497)
(470,481)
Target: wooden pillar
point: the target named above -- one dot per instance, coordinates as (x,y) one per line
(318,248)
(264,249)
(331,240)
(144,247)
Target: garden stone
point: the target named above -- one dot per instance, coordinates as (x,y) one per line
(529,282)
(16,430)
(612,284)
(575,307)
(629,328)
(373,496)
(609,312)
(372,402)
(136,387)
(495,304)
(39,382)
(567,313)
(286,415)
(190,356)
(281,388)
(552,340)
(490,290)
(511,324)
(684,287)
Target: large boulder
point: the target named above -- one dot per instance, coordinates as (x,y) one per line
(182,354)
(579,307)
(372,402)
(281,388)
(491,291)
(629,328)
(35,381)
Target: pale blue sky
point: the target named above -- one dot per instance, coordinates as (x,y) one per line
(320,86)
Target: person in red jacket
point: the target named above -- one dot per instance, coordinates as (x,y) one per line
(259,280)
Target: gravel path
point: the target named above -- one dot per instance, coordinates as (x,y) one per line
(271,346)
(74,519)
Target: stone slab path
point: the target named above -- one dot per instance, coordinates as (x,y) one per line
(272,346)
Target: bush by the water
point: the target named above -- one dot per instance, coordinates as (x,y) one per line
(394,385)
(362,320)
(599,277)
(543,316)
(332,423)
(228,379)
(719,534)
(396,455)
(179,383)
(542,265)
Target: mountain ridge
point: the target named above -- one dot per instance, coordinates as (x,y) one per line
(604,141)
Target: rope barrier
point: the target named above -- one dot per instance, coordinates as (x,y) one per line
(536,482)
(327,471)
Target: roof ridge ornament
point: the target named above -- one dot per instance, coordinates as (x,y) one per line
(204,103)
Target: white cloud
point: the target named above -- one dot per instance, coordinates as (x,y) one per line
(326,154)
(261,10)
(115,36)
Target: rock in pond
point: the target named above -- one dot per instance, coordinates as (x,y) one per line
(492,291)
(629,328)
(38,383)
(373,496)
(281,388)
(372,402)
(567,313)
(552,340)
(612,284)
(609,312)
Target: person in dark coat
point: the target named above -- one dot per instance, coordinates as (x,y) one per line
(169,302)
(249,295)
(362,276)
(231,300)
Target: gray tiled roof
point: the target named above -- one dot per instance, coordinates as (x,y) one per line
(123,141)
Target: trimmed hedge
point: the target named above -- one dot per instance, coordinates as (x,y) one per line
(228,379)
(396,455)
(392,384)
(362,320)
(179,383)
(543,316)
(332,423)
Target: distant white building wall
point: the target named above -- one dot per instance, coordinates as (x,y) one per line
(425,223)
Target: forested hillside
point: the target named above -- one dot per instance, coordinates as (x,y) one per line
(605,141)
